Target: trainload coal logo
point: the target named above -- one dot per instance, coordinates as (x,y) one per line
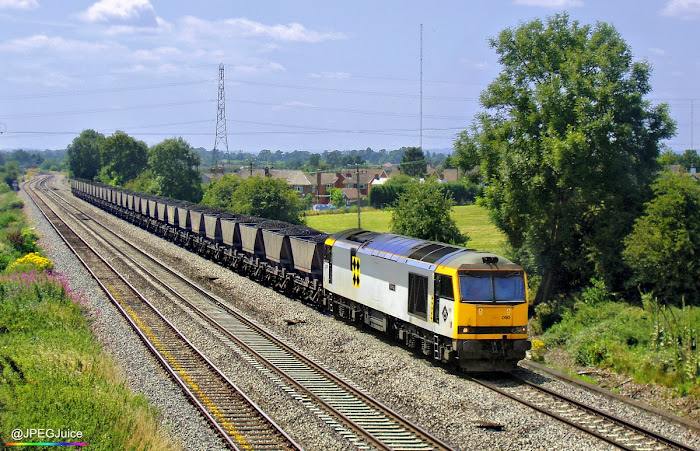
(355,266)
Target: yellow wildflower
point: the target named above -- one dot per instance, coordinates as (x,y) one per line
(31,261)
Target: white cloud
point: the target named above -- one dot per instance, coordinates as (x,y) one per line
(157,54)
(291,32)
(550,3)
(682,9)
(134,13)
(19,4)
(330,75)
(269,66)
(135,69)
(50,80)
(479,65)
(194,28)
(161,27)
(57,44)
(657,51)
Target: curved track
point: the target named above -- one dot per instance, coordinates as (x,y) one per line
(611,429)
(363,420)
(239,421)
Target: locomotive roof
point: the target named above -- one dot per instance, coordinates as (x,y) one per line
(398,247)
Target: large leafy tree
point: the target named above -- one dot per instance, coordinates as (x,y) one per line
(425,211)
(664,248)
(567,147)
(220,192)
(123,158)
(413,162)
(174,165)
(84,154)
(269,198)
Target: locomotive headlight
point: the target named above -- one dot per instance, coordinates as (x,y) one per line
(519,330)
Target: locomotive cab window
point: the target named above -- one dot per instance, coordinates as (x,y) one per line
(492,287)
(443,287)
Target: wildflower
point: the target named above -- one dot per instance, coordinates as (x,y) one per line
(538,350)
(31,261)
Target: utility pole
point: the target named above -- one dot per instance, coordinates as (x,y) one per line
(421,86)
(357,168)
(220,117)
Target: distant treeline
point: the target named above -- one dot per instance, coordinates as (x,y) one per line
(310,161)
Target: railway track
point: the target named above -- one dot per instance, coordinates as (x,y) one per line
(240,422)
(361,419)
(614,430)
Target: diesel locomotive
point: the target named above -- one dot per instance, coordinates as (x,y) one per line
(456,305)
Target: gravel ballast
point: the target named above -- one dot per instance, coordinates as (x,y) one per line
(445,404)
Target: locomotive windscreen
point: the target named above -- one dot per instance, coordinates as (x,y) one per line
(492,286)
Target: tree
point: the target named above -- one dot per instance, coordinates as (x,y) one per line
(145,182)
(333,159)
(269,198)
(314,162)
(337,198)
(667,158)
(567,148)
(385,195)
(663,250)
(123,158)
(689,158)
(220,193)
(174,164)
(413,162)
(424,211)
(10,172)
(84,155)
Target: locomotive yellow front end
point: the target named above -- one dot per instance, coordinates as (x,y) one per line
(491,314)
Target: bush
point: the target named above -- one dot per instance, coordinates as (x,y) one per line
(383,196)
(653,343)
(23,241)
(31,262)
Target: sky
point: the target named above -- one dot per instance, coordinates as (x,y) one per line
(299,75)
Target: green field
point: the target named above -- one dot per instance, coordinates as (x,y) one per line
(471,219)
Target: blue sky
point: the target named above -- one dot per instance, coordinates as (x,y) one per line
(306,75)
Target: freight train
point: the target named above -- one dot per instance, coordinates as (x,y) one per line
(456,305)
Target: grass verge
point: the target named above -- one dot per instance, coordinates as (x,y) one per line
(55,376)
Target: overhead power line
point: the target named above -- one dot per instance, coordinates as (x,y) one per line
(251,102)
(105,90)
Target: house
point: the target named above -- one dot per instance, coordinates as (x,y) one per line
(323,182)
(680,169)
(209,176)
(294,178)
(390,168)
(346,181)
(450,175)
(432,172)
